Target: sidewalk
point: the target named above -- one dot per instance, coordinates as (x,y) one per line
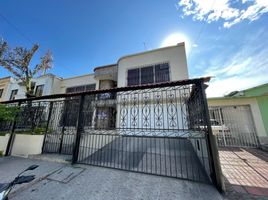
(88,182)
(246,173)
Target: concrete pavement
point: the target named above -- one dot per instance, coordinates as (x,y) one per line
(63,181)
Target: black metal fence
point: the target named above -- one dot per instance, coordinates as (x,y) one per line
(160,129)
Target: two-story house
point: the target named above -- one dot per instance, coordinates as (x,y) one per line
(149,67)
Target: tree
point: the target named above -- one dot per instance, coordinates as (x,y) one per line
(17,61)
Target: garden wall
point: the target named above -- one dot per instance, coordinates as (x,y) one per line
(25,145)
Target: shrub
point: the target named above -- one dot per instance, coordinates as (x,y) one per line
(7,113)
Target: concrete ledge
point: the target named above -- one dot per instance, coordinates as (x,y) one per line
(25,145)
(3,143)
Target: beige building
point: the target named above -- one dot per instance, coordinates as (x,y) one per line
(4,87)
(149,67)
(158,65)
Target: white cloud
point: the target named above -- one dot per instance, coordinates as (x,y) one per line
(246,68)
(214,10)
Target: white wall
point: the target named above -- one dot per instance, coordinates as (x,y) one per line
(76,81)
(25,145)
(174,55)
(46,80)
(3,142)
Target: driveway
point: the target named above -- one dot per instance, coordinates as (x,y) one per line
(64,181)
(174,157)
(246,173)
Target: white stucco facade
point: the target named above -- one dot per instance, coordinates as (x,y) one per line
(110,76)
(86,79)
(174,55)
(47,80)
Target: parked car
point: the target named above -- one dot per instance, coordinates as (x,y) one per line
(222,133)
(218,129)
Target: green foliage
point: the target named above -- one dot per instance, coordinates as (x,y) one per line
(1,153)
(7,113)
(36,131)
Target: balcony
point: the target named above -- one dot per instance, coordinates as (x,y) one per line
(107,72)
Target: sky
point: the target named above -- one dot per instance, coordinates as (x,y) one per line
(225,39)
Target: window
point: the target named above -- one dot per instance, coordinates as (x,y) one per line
(81,88)
(147,75)
(13,94)
(151,74)
(39,90)
(161,73)
(1,92)
(69,116)
(133,77)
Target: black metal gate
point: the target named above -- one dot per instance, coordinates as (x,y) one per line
(61,126)
(162,129)
(153,130)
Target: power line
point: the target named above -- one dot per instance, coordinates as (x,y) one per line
(16,28)
(24,36)
(202,28)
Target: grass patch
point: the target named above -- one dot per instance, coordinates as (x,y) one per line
(36,131)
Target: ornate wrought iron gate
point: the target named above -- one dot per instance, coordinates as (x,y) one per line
(160,129)
(156,130)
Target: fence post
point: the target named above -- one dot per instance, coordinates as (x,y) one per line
(79,128)
(212,146)
(12,135)
(47,125)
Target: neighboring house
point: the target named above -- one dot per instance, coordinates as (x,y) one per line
(244,115)
(43,85)
(76,84)
(4,87)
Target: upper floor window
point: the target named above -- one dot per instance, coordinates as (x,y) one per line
(1,92)
(150,74)
(162,73)
(133,77)
(39,90)
(13,94)
(81,88)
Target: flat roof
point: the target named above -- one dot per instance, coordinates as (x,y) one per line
(150,51)
(78,76)
(104,66)
(6,77)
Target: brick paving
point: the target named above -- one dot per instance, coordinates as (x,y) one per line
(245,172)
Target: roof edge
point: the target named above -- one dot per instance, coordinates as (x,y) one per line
(150,51)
